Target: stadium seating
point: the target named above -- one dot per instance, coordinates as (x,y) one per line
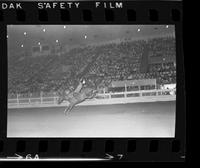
(119,61)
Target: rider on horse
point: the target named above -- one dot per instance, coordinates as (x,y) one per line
(80,94)
(80,86)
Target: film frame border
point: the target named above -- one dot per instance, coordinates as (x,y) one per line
(133,149)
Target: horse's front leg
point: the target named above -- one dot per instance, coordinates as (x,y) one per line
(68,109)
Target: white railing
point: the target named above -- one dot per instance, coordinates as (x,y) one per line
(129,95)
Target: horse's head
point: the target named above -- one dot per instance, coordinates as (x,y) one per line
(89,92)
(95,91)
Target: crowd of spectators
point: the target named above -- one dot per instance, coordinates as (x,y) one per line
(164,47)
(116,60)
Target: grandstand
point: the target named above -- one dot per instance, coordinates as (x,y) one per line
(122,61)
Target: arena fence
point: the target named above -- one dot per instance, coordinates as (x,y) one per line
(105,98)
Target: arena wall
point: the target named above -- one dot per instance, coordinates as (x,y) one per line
(159,96)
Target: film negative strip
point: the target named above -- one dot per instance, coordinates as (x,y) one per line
(92,81)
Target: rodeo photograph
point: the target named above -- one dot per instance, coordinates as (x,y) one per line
(91,81)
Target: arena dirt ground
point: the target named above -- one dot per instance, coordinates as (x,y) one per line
(155,119)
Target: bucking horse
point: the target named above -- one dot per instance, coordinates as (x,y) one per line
(74,98)
(83,91)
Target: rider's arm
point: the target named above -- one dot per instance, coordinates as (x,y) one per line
(79,87)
